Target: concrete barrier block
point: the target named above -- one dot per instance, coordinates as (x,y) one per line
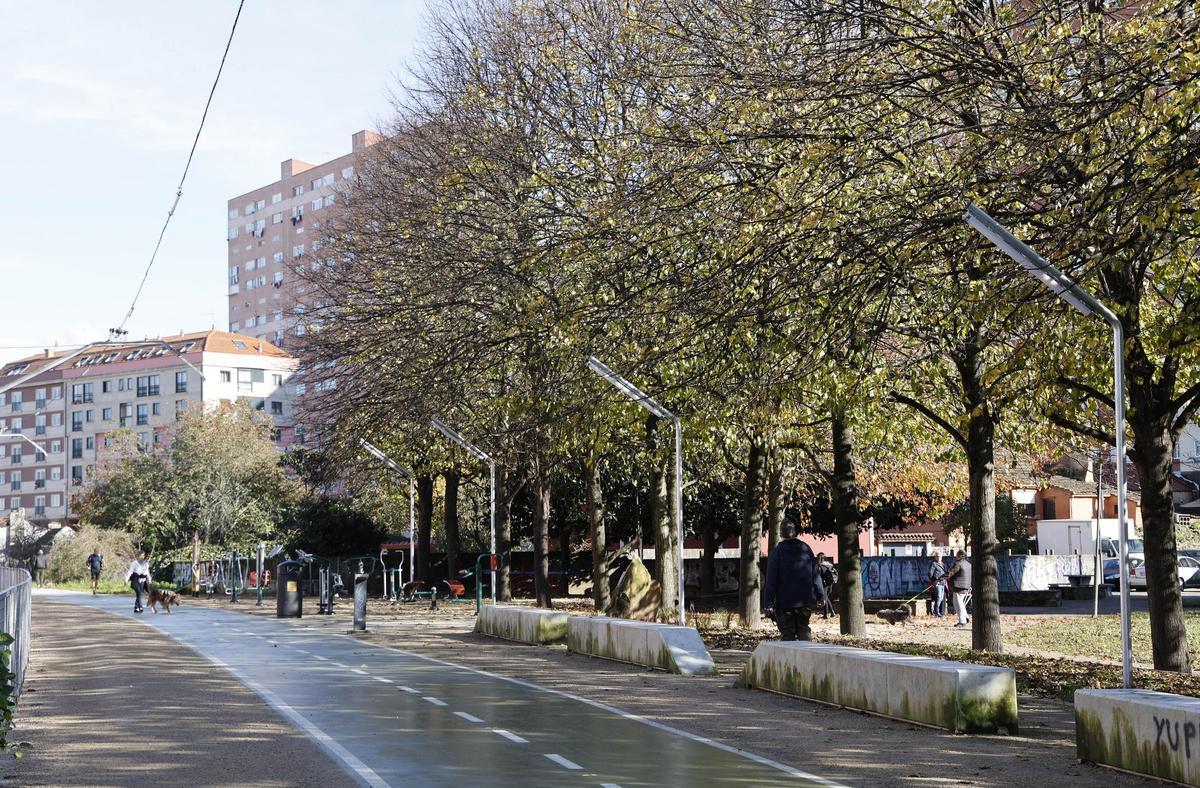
(960,697)
(525,624)
(675,649)
(1151,733)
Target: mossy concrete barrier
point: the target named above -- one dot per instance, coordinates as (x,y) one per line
(960,697)
(674,649)
(1152,733)
(525,624)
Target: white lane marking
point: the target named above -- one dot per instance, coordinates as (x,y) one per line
(813,778)
(435,701)
(323,659)
(272,642)
(359,672)
(301,651)
(467,717)
(563,762)
(381,678)
(609,785)
(409,690)
(340,665)
(510,736)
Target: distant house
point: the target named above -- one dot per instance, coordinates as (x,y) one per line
(1062,497)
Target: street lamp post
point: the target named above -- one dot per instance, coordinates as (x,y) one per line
(481,455)
(40,450)
(650,404)
(1087,305)
(375,452)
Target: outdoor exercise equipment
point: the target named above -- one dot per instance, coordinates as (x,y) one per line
(392,575)
(493,565)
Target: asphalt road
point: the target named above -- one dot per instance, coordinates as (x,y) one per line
(395,718)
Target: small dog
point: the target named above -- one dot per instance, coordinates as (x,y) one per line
(161,596)
(900,615)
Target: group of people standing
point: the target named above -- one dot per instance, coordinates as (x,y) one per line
(955,581)
(799,583)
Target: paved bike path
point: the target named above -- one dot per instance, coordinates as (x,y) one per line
(394,718)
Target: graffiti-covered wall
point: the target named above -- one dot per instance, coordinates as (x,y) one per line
(892,577)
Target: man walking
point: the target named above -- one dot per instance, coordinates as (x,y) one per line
(139,580)
(937,582)
(828,573)
(40,562)
(960,583)
(95,563)
(793,586)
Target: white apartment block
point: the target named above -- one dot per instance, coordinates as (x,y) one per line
(58,411)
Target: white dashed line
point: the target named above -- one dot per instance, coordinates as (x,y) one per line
(510,736)
(381,678)
(609,785)
(467,717)
(435,701)
(359,672)
(409,690)
(323,659)
(563,762)
(340,665)
(301,651)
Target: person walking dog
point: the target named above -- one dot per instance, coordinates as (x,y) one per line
(139,580)
(794,586)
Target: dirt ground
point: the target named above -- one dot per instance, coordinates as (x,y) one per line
(853,747)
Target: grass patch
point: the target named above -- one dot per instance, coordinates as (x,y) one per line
(1084,636)
(106,586)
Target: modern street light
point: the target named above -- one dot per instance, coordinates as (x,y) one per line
(1087,305)
(650,404)
(481,455)
(375,452)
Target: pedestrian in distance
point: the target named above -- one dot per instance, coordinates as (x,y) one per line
(937,585)
(794,587)
(139,580)
(95,563)
(829,578)
(959,578)
(39,564)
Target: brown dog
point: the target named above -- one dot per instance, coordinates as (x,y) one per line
(161,596)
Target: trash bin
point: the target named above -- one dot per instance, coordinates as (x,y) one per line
(289,599)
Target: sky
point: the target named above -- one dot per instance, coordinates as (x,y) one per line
(99,103)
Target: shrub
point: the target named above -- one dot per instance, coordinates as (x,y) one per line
(68,558)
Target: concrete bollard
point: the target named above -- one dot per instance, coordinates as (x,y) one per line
(360,603)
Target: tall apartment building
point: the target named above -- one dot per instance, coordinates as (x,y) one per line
(273,230)
(68,404)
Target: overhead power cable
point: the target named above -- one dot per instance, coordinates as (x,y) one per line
(120,330)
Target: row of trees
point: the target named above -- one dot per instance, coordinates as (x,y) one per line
(755,210)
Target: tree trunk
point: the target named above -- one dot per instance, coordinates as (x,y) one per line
(1152,452)
(424,525)
(450,521)
(749,579)
(986,632)
(660,522)
(504,498)
(596,532)
(844,495)
(776,501)
(541,535)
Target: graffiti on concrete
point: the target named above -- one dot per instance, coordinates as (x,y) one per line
(1177,735)
(893,577)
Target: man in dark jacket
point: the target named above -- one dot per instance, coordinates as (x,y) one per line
(793,585)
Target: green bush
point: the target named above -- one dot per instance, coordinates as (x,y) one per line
(68,557)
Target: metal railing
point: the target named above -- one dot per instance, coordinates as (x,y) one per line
(16,588)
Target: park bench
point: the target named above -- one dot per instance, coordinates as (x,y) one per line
(675,649)
(957,696)
(524,624)
(1151,733)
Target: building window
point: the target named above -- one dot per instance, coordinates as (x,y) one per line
(245,382)
(56,475)
(56,500)
(56,419)
(1048,509)
(180,407)
(276,408)
(90,443)
(347,173)
(226,376)
(276,198)
(327,180)
(76,421)
(276,378)
(181,380)
(297,190)
(316,204)
(299,434)
(328,200)
(106,387)
(143,414)
(77,448)
(155,409)
(106,414)
(55,393)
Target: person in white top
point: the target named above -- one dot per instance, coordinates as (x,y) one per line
(139,580)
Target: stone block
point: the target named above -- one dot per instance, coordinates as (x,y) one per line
(957,696)
(674,649)
(1151,733)
(524,624)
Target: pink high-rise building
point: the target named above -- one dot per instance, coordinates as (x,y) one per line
(275,230)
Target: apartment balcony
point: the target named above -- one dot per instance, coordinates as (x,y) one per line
(39,511)
(39,484)
(16,459)
(16,407)
(39,429)
(39,404)
(14,486)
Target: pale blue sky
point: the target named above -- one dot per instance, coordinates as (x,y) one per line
(98,105)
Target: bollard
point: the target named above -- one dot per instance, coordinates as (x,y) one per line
(260,566)
(360,603)
(323,608)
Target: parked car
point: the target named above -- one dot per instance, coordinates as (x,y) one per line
(1188,568)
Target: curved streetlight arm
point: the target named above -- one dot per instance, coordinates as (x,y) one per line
(378,454)
(483,456)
